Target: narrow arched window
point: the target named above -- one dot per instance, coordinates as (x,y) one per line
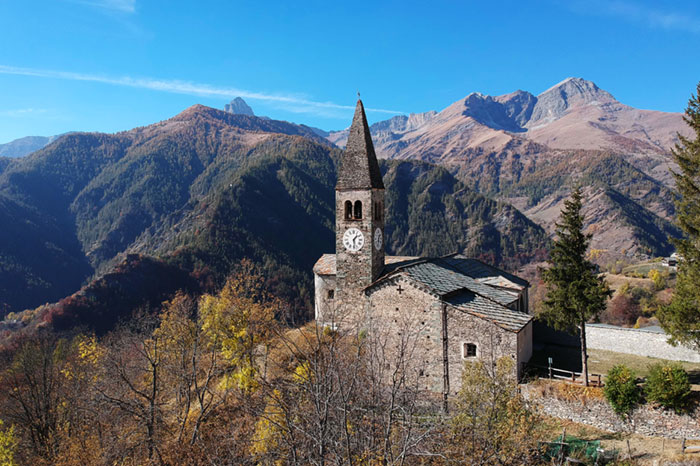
(348,210)
(358,210)
(377,211)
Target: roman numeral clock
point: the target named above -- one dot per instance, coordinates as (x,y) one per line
(353,239)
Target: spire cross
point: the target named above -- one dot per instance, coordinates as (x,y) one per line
(358,94)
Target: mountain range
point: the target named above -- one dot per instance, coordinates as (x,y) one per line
(530,150)
(92,219)
(26,145)
(573,114)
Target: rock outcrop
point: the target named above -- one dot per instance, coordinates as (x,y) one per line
(239,107)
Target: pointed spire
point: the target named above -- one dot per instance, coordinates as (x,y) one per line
(359,168)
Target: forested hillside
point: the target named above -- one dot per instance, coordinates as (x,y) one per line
(625,209)
(203,190)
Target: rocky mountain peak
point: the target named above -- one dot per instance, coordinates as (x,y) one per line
(507,112)
(570,93)
(518,106)
(403,122)
(239,107)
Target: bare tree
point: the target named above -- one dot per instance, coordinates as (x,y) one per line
(33,386)
(335,397)
(133,385)
(493,424)
(395,363)
(192,366)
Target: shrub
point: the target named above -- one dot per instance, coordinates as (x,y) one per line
(668,385)
(8,446)
(621,310)
(658,278)
(621,389)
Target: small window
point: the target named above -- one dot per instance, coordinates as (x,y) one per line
(358,210)
(468,350)
(348,210)
(331,294)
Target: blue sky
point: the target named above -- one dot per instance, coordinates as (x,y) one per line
(111,65)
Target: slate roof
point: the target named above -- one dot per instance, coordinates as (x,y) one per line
(443,279)
(325,265)
(483,272)
(479,306)
(359,168)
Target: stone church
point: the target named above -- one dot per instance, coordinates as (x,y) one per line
(455,308)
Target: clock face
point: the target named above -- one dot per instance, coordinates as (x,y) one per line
(353,239)
(378,239)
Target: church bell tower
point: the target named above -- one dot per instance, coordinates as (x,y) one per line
(359,214)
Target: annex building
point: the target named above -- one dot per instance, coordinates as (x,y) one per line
(445,310)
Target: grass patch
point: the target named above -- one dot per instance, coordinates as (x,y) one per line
(601,361)
(643,269)
(615,282)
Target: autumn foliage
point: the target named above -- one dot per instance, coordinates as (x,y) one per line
(217,379)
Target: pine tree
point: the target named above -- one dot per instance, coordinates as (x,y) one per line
(575,292)
(681,319)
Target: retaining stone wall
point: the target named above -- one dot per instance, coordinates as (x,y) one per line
(637,341)
(644,420)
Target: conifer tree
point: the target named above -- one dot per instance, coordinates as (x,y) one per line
(681,319)
(575,292)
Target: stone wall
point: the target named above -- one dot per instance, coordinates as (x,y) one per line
(524,347)
(492,343)
(642,342)
(401,313)
(644,420)
(324,305)
(411,318)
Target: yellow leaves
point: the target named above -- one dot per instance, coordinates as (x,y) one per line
(268,429)
(350,427)
(594,254)
(237,321)
(8,446)
(491,417)
(89,350)
(302,373)
(624,289)
(658,278)
(89,355)
(176,326)
(244,379)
